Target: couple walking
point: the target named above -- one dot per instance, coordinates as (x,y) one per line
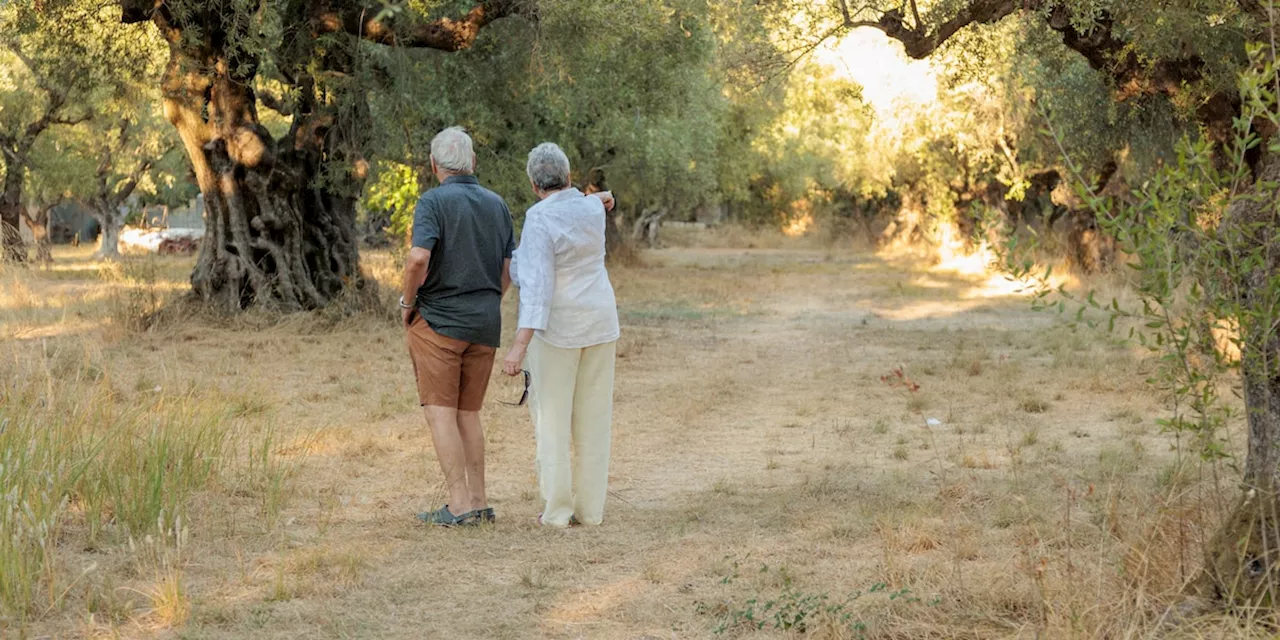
(461,264)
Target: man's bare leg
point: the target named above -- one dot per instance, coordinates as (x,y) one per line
(473,445)
(453,460)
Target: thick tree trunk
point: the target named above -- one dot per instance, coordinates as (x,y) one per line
(613,240)
(276,234)
(110,220)
(1090,248)
(280,216)
(1242,566)
(38,222)
(12,247)
(648,224)
(1243,559)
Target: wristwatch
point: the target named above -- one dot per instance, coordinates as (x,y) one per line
(403,305)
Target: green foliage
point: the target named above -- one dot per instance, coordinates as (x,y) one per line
(1199,237)
(79,110)
(394,188)
(104,156)
(636,103)
(796,611)
(669,104)
(815,149)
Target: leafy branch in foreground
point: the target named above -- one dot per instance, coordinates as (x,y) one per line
(1201,239)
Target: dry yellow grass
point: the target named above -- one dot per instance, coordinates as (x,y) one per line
(760,465)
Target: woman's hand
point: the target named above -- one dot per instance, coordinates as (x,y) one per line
(606,198)
(513,363)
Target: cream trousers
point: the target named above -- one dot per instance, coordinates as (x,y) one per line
(571,401)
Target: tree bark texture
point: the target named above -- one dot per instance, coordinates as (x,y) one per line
(110,220)
(38,222)
(280,215)
(273,234)
(648,224)
(1242,566)
(14,249)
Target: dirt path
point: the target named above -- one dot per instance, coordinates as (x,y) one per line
(752,428)
(758,458)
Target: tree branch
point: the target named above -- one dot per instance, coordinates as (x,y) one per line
(41,80)
(125,190)
(915,13)
(366,20)
(844,11)
(1257,9)
(57,100)
(1105,52)
(919,43)
(274,102)
(1132,77)
(71,121)
(41,218)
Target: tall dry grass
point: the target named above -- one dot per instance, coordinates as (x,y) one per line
(92,462)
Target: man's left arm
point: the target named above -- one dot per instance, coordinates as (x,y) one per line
(426,232)
(415,273)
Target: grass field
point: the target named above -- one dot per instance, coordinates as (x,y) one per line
(257,478)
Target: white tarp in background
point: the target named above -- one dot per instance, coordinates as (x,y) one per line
(133,240)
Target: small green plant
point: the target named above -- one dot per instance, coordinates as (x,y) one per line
(1031,437)
(796,611)
(791,611)
(1033,404)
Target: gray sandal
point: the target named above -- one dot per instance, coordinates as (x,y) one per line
(442,517)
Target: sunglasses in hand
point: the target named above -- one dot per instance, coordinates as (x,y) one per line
(524,397)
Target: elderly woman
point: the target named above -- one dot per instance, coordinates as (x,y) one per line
(568,329)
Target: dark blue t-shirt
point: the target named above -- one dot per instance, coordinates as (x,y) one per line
(467,228)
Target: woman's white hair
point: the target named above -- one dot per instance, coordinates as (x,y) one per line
(548,167)
(452,151)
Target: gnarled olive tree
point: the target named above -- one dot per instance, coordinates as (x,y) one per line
(280,209)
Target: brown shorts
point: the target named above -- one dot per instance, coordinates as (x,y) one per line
(450,373)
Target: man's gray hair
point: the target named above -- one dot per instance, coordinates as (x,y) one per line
(452,151)
(548,167)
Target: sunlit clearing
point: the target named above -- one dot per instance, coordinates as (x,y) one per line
(955,256)
(890,80)
(801,219)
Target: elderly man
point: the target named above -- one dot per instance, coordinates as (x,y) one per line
(454,280)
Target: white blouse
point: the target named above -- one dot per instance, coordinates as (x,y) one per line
(565,294)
